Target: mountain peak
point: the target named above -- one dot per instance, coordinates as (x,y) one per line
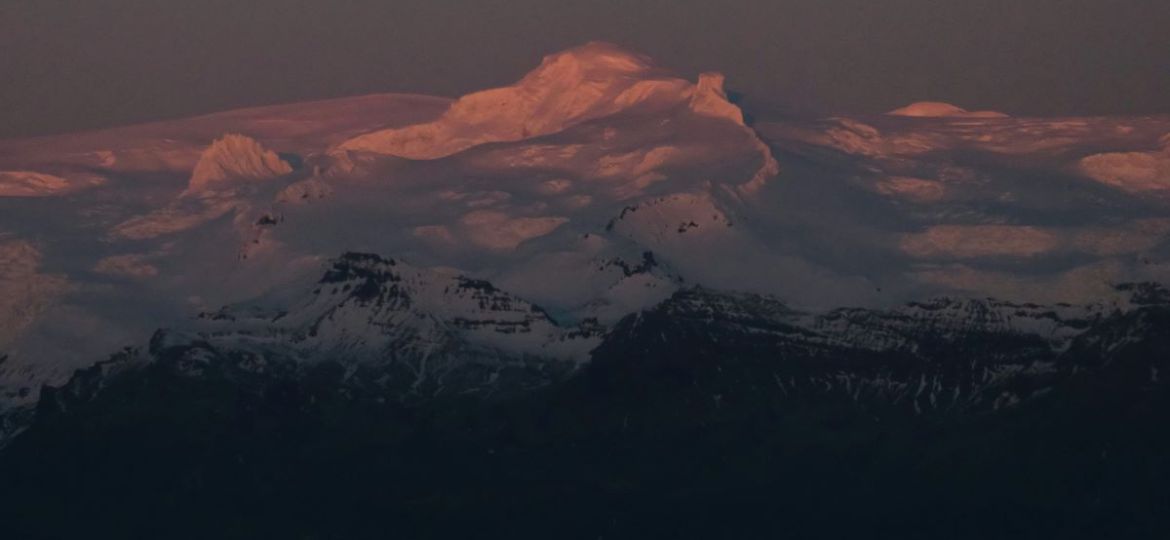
(568,88)
(937,109)
(596,60)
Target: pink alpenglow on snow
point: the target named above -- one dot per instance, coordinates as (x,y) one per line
(934,109)
(569,88)
(236,158)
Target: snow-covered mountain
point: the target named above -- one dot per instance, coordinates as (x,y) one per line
(597,187)
(385,332)
(423,332)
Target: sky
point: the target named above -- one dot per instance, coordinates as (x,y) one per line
(80,64)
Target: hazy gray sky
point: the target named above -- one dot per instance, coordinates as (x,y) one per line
(72,64)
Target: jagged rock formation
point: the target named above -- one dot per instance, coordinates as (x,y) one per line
(235,158)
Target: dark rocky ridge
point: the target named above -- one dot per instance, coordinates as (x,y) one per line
(711,415)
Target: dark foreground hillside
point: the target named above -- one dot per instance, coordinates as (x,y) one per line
(669,433)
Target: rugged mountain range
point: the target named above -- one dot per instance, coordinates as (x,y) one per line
(411,395)
(407,335)
(602,258)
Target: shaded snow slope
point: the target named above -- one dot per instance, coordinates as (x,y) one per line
(1046,210)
